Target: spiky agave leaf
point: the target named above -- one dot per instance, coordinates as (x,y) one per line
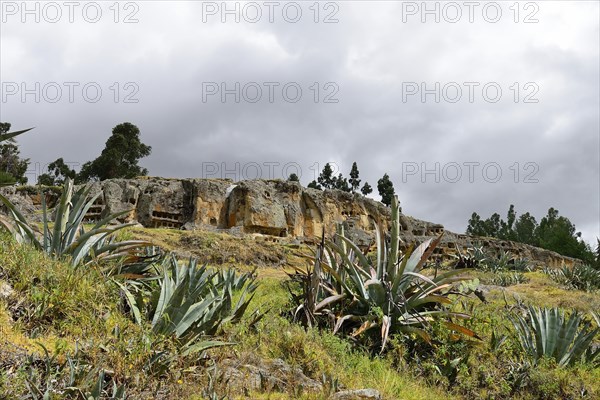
(19,227)
(10,135)
(595,317)
(547,332)
(391,295)
(68,238)
(190,302)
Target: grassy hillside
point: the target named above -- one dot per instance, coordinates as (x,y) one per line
(70,332)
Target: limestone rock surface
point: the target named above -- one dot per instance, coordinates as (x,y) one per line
(280,210)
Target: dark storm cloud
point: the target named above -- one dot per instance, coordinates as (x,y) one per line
(369,55)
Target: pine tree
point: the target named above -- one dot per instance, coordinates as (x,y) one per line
(554,232)
(511,217)
(492,225)
(525,229)
(366,189)
(476,226)
(326,178)
(558,233)
(354,181)
(386,189)
(341,183)
(315,185)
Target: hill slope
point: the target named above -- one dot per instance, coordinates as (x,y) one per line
(79,315)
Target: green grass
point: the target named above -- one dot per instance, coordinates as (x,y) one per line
(318,353)
(79,314)
(58,307)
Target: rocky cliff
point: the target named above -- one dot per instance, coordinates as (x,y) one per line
(268,209)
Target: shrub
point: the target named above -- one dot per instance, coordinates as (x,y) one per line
(68,238)
(509,279)
(477,258)
(73,378)
(473,258)
(547,332)
(582,277)
(505,261)
(372,299)
(189,302)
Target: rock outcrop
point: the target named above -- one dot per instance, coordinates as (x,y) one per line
(270,209)
(361,394)
(273,208)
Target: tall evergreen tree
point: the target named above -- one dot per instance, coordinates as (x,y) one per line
(386,189)
(476,227)
(511,217)
(558,234)
(507,228)
(525,229)
(554,232)
(366,189)
(120,156)
(341,183)
(492,225)
(354,181)
(326,178)
(315,185)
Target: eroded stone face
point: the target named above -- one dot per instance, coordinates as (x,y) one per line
(162,204)
(206,200)
(272,208)
(24,202)
(258,207)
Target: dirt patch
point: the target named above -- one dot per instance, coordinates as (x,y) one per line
(221,248)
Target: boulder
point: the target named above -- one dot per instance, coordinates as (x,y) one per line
(6,291)
(268,376)
(361,394)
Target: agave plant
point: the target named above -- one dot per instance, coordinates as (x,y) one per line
(189,302)
(7,179)
(68,237)
(508,279)
(74,378)
(134,263)
(547,332)
(389,294)
(506,261)
(582,277)
(10,135)
(473,258)
(595,317)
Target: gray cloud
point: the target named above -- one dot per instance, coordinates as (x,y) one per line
(369,54)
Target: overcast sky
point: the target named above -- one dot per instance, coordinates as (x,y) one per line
(492,104)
